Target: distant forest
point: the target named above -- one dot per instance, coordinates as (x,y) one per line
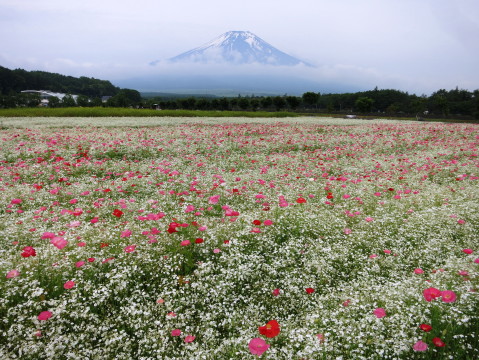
(19,79)
(455,103)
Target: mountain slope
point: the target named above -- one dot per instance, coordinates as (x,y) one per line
(238,47)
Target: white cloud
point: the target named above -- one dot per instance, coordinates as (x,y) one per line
(385,42)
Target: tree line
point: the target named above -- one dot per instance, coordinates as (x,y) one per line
(455,103)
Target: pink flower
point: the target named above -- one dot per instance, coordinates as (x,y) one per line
(320,337)
(44,315)
(68,285)
(202,228)
(59,242)
(190,338)
(420,346)
(255,230)
(448,296)
(79,264)
(216,251)
(214,199)
(258,346)
(125,233)
(461,222)
(268,222)
(12,273)
(81,244)
(48,235)
(130,248)
(431,294)
(176,332)
(276,292)
(386,251)
(189,208)
(468,251)
(418,271)
(75,223)
(185,243)
(379,313)
(94,220)
(347,231)
(476,261)
(372,256)
(369,219)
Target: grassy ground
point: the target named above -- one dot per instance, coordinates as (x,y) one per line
(126,112)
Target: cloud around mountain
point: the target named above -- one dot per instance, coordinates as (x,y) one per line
(236,48)
(241,62)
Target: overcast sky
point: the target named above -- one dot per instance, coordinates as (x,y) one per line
(412,45)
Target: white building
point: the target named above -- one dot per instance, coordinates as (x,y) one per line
(45,94)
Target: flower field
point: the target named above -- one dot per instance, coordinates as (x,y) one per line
(238,239)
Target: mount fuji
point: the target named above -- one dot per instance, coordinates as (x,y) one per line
(235,62)
(238,47)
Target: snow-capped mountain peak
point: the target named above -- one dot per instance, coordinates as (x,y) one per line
(238,47)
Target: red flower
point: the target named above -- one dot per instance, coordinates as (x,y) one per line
(438,342)
(28,251)
(309,290)
(257,222)
(431,293)
(199,241)
(118,213)
(172,228)
(300,200)
(425,327)
(270,330)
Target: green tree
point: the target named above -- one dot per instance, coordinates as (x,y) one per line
(96,101)
(254,103)
(83,101)
(266,102)
(311,99)
(243,103)
(364,104)
(293,102)
(125,98)
(188,104)
(440,102)
(224,104)
(53,102)
(234,103)
(279,103)
(68,101)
